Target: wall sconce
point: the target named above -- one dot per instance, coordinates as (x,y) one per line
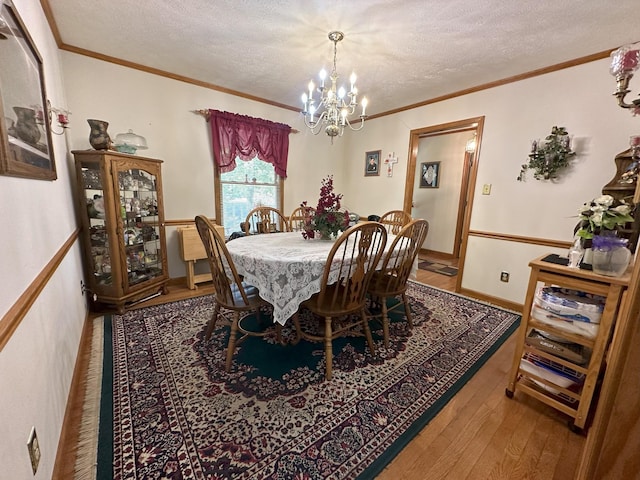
(62,117)
(624,63)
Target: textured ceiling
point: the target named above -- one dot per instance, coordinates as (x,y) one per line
(403,51)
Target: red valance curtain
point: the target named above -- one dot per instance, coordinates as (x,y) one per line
(247,137)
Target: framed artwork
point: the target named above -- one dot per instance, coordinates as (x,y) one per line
(430,175)
(372,163)
(25,129)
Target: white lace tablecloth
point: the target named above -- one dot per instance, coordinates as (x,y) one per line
(286,268)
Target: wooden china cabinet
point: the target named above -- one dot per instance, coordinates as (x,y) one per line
(123,235)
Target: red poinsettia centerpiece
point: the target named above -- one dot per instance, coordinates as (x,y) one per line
(327,221)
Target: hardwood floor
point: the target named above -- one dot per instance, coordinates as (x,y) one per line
(480,434)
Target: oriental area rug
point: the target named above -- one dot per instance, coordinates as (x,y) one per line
(169,410)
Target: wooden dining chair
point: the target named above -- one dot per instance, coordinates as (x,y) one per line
(298,218)
(394,220)
(391,279)
(231,293)
(346,275)
(265,220)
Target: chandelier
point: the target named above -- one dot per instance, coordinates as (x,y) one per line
(334,105)
(624,62)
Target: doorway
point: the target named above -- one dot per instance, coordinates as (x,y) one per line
(445,201)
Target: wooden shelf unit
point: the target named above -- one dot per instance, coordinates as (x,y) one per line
(613,289)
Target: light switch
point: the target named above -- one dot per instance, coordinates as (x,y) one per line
(486,189)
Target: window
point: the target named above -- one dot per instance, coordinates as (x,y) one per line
(249,185)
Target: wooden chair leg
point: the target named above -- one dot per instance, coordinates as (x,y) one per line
(231,346)
(296,323)
(407,310)
(367,332)
(211,326)
(385,322)
(328,348)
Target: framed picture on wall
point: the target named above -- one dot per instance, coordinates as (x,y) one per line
(429,174)
(372,163)
(25,132)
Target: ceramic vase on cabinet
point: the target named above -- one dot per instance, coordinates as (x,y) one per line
(98,137)
(26,127)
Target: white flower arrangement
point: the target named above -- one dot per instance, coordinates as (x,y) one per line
(603,213)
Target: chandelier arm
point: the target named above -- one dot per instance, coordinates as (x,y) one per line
(316,126)
(351,127)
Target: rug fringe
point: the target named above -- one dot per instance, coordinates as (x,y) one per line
(87,448)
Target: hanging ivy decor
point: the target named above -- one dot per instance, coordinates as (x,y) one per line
(548,159)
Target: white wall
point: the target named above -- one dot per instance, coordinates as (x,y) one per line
(161,110)
(37,363)
(578,98)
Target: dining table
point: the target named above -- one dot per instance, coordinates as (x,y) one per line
(286,268)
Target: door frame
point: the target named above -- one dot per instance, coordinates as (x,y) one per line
(466,194)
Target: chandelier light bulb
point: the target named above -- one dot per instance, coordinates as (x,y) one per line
(304,99)
(322,75)
(352,79)
(341,92)
(365,102)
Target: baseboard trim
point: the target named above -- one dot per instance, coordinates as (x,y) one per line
(501,302)
(436,254)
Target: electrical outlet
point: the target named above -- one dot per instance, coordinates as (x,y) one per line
(34,450)
(84,289)
(504,276)
(486,189)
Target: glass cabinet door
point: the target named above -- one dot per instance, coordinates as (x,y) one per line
(140,225)
(99,252)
